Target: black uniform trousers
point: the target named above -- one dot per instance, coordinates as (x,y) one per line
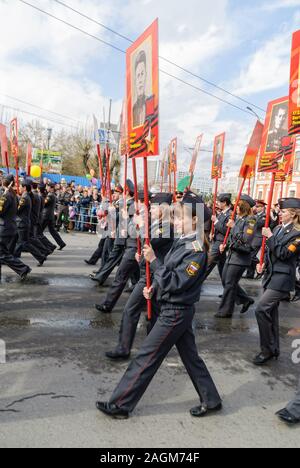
(25,245)
(38,242)
(45,241)
(267,315)
(114,260)
(128,267)
(215,259)
(173,327)
(131,316)
(98,252)
(50,224)
(6,257)
(254,262)
(107,250)
(233,293)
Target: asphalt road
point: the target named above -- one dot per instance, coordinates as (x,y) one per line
(56,369)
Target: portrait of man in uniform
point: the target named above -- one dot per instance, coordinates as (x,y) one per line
(278,127)
(218,156)
(141,72)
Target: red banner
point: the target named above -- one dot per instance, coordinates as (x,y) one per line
(143,94)
(3,144)
(218,157)
(250,158)
(14,139)
(28,159)
(294,101)
(173,156)
(276,128)
(195,154)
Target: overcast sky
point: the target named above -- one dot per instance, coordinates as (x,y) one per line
(243,46)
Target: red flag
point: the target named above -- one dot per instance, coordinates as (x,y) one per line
(4,145)
(250,159)
(294,96)
(28,159)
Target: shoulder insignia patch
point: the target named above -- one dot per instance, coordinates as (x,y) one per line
(292,248)
(193,269)
(197,246)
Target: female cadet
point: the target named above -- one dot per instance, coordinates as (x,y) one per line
(177,282)
(238,260)
(283,248)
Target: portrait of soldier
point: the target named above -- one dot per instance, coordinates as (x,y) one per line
(140,84)
(218,154)
(278,128)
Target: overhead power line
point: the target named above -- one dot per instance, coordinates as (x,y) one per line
(195,75)
(22,111)
(41,108)
(124,52)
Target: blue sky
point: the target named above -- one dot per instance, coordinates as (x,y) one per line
(243,46)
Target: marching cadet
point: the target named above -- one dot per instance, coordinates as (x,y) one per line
(102,251)
(260,212)
(162,238)
(39,190)
(238,259)
(34,221)
(216,258)
(8,228)
(283,248)
(48,215)
(129,267)
(24,243)
(119,242)
(177,283)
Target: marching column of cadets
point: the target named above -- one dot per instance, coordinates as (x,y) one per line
(179,266)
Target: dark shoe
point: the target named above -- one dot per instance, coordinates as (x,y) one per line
(247,306)
(41,264)
(89,263)
(93,278)
(295,299)
(287,417)
(24,275)
(62,247)
(117,356)
(221,316)
(103,308)
(112,410)
(261,359)
(201,411)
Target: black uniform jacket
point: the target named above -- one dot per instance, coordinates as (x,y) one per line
(220,231)
(282,253)
(179,279)
(240,248)
(260,224)
(8,213)
(49,207)
(24,212)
